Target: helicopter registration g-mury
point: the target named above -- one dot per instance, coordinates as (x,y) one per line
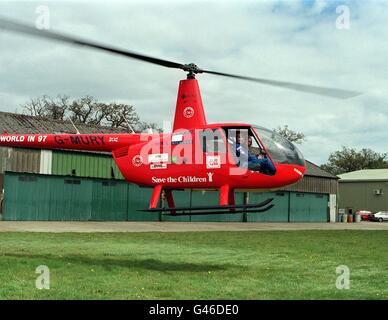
(196,155)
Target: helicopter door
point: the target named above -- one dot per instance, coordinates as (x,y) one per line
(248,152)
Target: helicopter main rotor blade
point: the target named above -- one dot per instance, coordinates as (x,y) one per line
(191,68)
(324,91)
(32,31)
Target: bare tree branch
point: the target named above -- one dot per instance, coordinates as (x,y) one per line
(293,136)
(87,110)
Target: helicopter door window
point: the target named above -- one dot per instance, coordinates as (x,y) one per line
(248,152)
(253,146)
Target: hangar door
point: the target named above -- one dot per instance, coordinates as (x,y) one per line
(59,198)
(279,213)
(308,207)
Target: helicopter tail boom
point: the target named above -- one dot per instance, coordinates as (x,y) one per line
(87,142)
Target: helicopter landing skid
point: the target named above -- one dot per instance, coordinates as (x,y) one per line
(230,209)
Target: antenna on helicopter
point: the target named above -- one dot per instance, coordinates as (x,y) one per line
(127,122)
(76,129)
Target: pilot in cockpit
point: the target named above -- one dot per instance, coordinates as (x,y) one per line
(256,157)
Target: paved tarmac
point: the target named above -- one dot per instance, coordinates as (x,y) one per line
(57,227)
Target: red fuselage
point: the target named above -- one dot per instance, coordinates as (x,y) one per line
(184,158)
(173,160)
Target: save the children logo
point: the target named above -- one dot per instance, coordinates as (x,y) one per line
(137,160)
(188,112)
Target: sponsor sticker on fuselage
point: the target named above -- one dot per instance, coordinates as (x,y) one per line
(158,157)
(154,166)
(213,162)
(177,138)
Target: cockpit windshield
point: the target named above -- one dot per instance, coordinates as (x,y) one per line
(280,149)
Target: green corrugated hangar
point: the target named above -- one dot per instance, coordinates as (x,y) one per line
(364,190)
(84,186)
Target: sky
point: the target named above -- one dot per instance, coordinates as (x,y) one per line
(341,44)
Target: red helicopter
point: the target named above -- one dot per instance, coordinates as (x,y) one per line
(196,155)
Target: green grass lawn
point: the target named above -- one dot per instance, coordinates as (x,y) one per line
(198,265)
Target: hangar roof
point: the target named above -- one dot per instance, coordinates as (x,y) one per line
(316,171)
(365,175)
(20,123)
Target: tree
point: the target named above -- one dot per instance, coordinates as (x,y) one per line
(142,126)
(119,115)
(87,110)
(350,159)
(48,107)
(293,136)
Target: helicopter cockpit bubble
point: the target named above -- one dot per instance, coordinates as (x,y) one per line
(280,149)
